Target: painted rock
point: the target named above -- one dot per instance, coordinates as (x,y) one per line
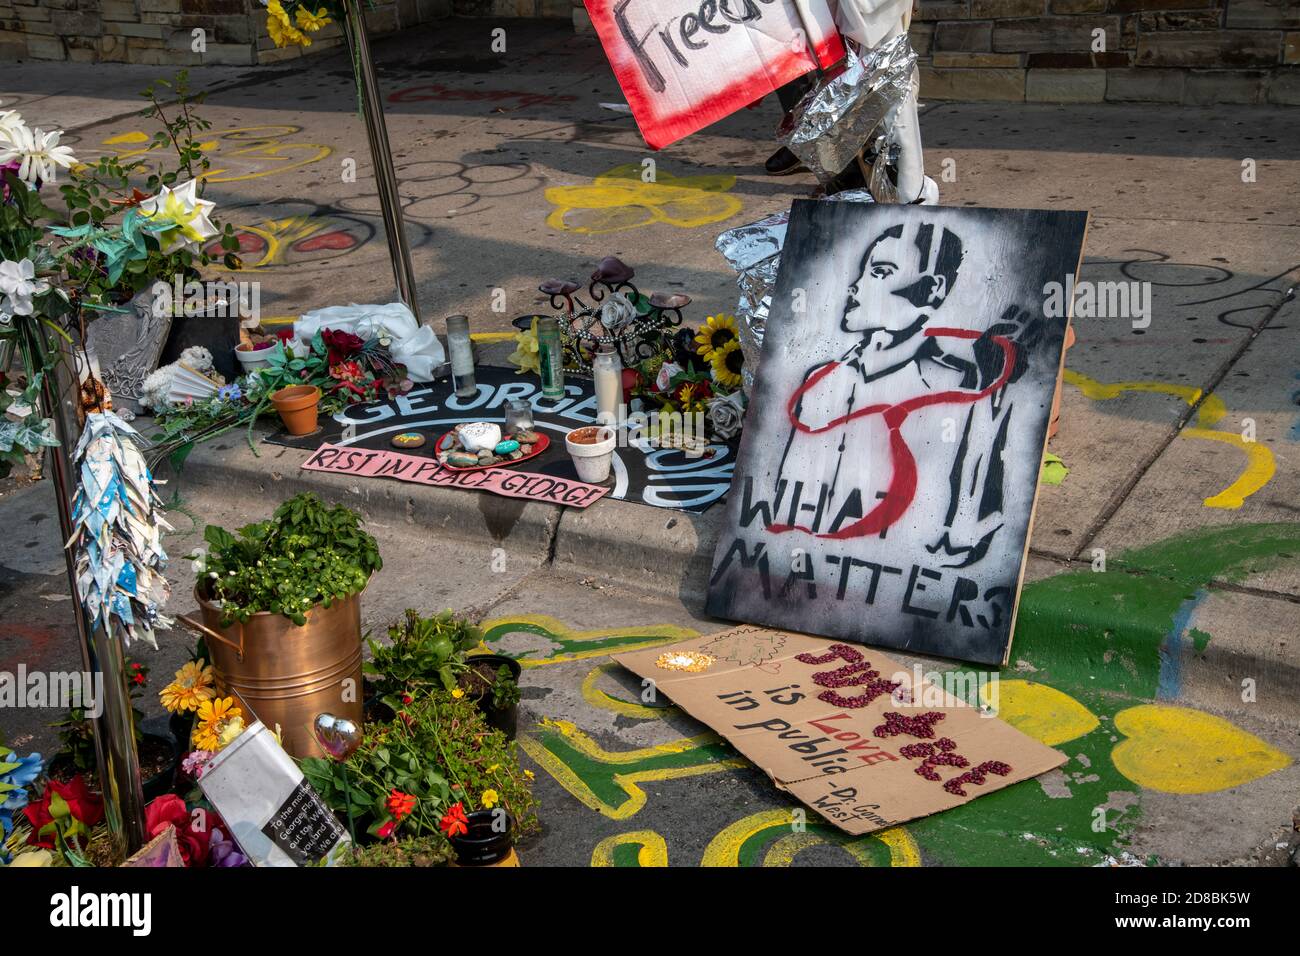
(461,460)
(479,436)
(526,449)
(506,447)
(516,455)
(526,437)
(408,440)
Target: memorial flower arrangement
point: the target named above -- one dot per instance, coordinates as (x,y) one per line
(435,754)
(695,372)
(124,225)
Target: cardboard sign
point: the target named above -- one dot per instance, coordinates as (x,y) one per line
(888,469)
(423,470)
(684,64)
(854,735)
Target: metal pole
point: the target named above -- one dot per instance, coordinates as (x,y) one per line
(381,158)
(101,652)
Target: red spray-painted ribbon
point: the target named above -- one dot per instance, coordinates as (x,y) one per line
(902,485)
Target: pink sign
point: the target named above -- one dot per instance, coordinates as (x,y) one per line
(371,463)
(683,64)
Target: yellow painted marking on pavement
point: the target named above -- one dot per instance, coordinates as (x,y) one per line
(653,850)
(1259,471)
(1041,712)
(724,849)
(655,635)
(251,144)
(598,698)
(1179,750)
(636,797)
(619,199)
(1260,464)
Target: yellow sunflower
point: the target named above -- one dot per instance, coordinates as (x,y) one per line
(214,715)
(726,362)
(714,334)
(192,686)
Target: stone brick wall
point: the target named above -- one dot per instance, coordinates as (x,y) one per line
(161,32)
(1194,52)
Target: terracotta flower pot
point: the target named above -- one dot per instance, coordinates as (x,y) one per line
(297,407)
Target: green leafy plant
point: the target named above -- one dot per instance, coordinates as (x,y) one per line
(505,690)
(425,652)
(412,851)
(306,553)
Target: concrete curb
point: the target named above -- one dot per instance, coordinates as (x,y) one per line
(668,555)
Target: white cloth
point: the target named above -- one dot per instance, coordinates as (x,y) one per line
(871,21)
(415,346)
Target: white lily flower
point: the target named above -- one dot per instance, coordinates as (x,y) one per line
(190,213)
(38,151)
(18,283)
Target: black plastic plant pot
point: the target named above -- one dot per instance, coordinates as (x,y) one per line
(181,726)
(482,845)
(505,719)
(165,780)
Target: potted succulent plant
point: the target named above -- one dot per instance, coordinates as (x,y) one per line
(280,601)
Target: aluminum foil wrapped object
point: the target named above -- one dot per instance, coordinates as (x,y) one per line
(754,251)
(118,529)
(842,112)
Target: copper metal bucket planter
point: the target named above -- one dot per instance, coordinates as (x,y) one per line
(284,674)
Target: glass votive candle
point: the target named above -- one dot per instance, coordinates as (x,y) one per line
(519,416)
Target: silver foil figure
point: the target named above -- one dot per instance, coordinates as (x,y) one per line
(754,251)
(840,114)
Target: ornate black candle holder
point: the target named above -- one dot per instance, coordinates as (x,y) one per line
(582,331)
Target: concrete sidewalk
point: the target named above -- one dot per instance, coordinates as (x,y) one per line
(501,163)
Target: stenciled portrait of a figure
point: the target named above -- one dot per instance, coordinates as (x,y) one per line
(890,458)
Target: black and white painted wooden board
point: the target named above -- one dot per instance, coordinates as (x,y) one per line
(885,484)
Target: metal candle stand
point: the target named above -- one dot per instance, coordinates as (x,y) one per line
(634,342)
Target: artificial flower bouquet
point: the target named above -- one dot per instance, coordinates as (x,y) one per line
(694,372)
(122,227)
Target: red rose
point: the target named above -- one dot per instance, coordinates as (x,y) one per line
(170,810)
(83,805)
(341,345)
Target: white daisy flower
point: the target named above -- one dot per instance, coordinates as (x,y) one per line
(10,120)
